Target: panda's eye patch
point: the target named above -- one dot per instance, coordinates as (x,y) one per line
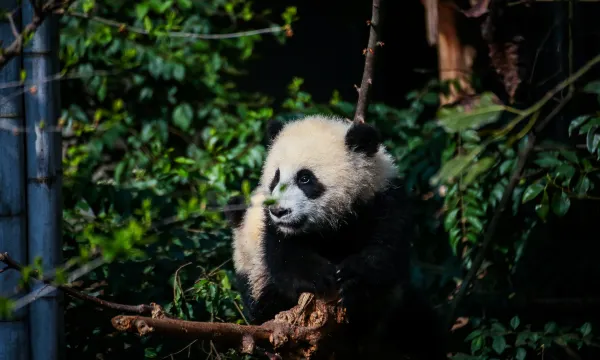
(309,184)
(275,181)
(304,177)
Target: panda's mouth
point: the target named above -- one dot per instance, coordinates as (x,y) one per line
(294,224)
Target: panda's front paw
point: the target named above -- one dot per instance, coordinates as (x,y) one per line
(348,283)
(325,282)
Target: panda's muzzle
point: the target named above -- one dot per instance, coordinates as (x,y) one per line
(279,211)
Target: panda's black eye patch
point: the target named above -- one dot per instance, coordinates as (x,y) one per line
(275,181)
(309,184)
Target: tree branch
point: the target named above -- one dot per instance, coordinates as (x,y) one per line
(303,332)
(369,52)
(177,34)
(39,15)
(134,309)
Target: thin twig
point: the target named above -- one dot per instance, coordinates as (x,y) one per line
(13,27)
(40,14)
(367,78)
(178,34)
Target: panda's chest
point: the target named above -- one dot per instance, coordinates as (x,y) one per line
(334,246)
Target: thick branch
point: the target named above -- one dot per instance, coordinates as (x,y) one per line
(135,309)
(367,78)
(303,332)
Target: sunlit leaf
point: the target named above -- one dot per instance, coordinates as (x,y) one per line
(575,123)
(478,168)
(458,118)
(592,140)
(455,166)
(532,191)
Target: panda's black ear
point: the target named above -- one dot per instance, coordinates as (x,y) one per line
(274,127)
(363,138)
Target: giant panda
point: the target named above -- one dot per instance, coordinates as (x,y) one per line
(340,226)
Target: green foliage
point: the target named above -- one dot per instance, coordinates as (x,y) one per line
(158,138)
(493,340)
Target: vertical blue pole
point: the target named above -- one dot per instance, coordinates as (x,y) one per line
(44,181)
(14,337)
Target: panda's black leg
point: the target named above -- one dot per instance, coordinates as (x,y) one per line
(370,270)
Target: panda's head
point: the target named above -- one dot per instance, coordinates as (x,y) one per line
(318,168)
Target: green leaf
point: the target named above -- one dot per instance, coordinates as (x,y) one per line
(483,112)
(550,327)
(178,72)
(6,308)
(185,4)
(182,116)
(499,344)
(476,344)
(473,335)
(566,172)
(532,191)
(583,185)
(522,338)
(586,329)
(548,161)
(498,328)
(521,353)
(592,87)
(141,9)
(592,140)
(514,322)
(476,223)
(543,208)
(455,166)
(147,24)
(451,219)
(575,123)
(560,203)
(570,155)
(184,160)
(478,168)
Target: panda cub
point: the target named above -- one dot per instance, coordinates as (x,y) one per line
(340,226)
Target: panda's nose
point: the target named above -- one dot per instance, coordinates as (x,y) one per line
(279,211)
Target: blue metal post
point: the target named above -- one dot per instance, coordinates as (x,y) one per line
(44,180)
(14,337)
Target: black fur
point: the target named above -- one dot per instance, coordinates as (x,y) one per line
(363,138)
(274,127)
(312,187)
(235,210)
(367,262)
(275,181)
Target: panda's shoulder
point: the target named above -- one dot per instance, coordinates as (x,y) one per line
(394,194)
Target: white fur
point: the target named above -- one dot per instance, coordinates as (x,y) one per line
(316,143)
